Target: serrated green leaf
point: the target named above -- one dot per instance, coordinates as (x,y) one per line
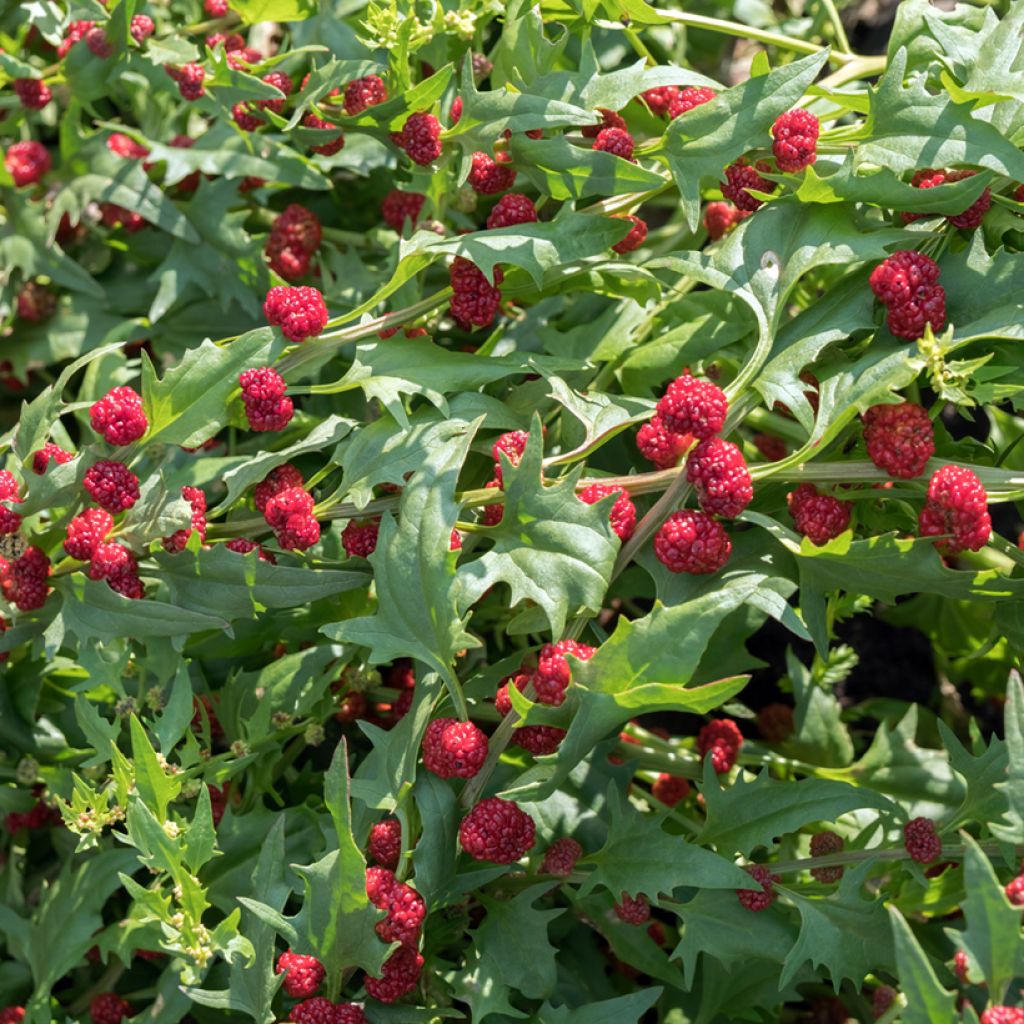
(927,1000)
(156,787)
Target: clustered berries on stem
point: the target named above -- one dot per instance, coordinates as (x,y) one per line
(299,312)
(294,239)
(906,283)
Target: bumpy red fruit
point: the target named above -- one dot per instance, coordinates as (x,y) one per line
(796,140)
(693,406)
(688,98)
(497,831)
(109,1008)
(125,146)
(722,739)
(475,301)
(488,177)
(538,740)
(454,749)
(277,480)
(623,512)
(775,722)
(661,99)
(1003,1015)
(385,844)
(109,561)
(1015,891)
(635,238)
(12,1015)
(956,505)
(741,176)
(292,501)
(762,898)
(511,445)
(661,446)
(721,218)
(86,531)
(363,93)
(118,416)
(398,206)
(670,789)
(25,580)
(635,910)
(360,539)
(921,840)
(404,905)
(906,282)
(190,79)
(515,208)
(819,517)
(560,857)
(112,485)
(32,93)
(99,42)
(823,844)
(719,474)
(41,458)
(302,974)
(881,999)
(10,521)
(968,219)
(398,977)
(197,500)
(900,438)
(609,119)
(420,137)
(320,1010)
(692,542)
(554,673)
(266,405)
(27,162)
(36,302)
(616,141)
(141,28)
(299,312)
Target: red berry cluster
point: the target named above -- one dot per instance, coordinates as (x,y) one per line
(623,513)
(27,162)
(819,517)
(670,789)
(118,416)
(900,438)
(112,485)
(560,857)
(385,845)
(320,1010)
(634,910)
(636,236)
(720,477)
(671,101)
(921,840)
(246,113)
(661,446)
(404,905)
(497,831)
(10,521)
(302,974)
(488,177)
(299,312)
(360,538)
(32,93)
(399,206)
(293,240)
(721,218)
(823,844)
(1003,1015)
(906,283)
(968,219)
(796,140)
(420,137)
(758,899)
(190,79)
(475,301)
(956,505)
(266,405)
(722,739)
(742,176)
(363,93)
(36,302)
(109,1008)
(288,508)
(197,500)
(454,749)
(510,210)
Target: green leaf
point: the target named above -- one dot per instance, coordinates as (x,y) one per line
(927,1000)
(713,135)
(843,933)
(746,815)
(189,404)
(982,775)
(992,934)
(1011,829)
(550,547)
(417,612)
(668,861)
(156,787)
(622,1010)
(252,11)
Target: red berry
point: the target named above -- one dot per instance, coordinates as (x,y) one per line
(693,406)
(454,749)
(688,98)
(910,319)
(12,1015)
(692,542)
(970,218)
(616,141)
(554,673)
(633,910)
(906,282)
(900,438)
(399,206)
(197,499)
(538,740)
(302,974)
(492,514)
(475,301)
(33,93)
(10,521)
(86,531)
(796,140)
(274,482)
(771,448)
(488,178)
(114,216)
(290,513)
(956,505)
(623,512)
(27,162)
(190,80)
(721,738)
(882,999)
(360,539)
(819,517)
(420,137)
(24,580)
(109,1008)
(266,406)
(386,842)
(659,445)
(294,237)
(97,41)
(741,176)
(118,416)
(823,844)
(719,474)
(498,831)
(721,218)
(1003,1015)
(125,146)
(110,560)
(609,119)
(36,302)
(775,722)
(1015,891)
(279,80)
(511,444)
(560,858)
(399,975)
(299,312)
(758,899)
(660,100)
(363,93)
(112,485)
(515,208)
(320,1010)
(635,238)
(72,34)
(670,789)
(41,458)
(216,9)
(921,840)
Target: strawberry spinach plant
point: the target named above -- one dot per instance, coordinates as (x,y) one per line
(508,513)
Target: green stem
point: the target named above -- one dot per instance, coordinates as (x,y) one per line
(842,42)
